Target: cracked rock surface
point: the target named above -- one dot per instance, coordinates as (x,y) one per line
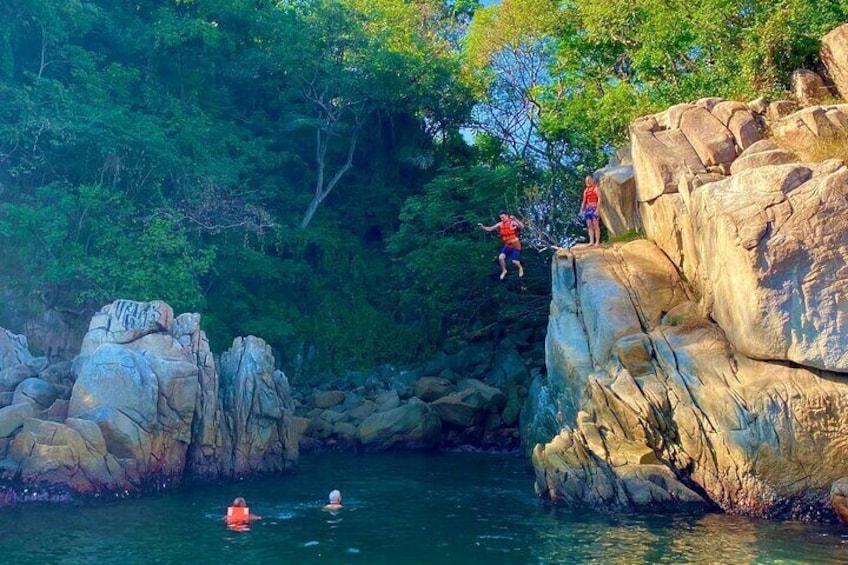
(144,406)
(648,404)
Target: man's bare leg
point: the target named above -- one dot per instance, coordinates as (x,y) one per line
(520,268)
(502,261)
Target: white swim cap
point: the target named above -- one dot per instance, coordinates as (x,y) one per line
(335,497)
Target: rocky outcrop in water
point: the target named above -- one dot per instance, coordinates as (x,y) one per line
(143,406)
(706,365)
(647,404)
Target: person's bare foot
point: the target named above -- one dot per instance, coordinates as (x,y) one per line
(503,275)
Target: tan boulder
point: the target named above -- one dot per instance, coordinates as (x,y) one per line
(824,121)
(800,130)
(709,102)
(746,129)
(666,222)
(659,289)
(762,159)
(345,432)
(758,105)
(619,212)
(674,408)
(713,142)
(834,55)
(772,264)
(363,410)
(838,116)
(660,159)
(725,110)
(808,88)
(301,425)
(761,145)
(780,109)
(670,119)
(470,405)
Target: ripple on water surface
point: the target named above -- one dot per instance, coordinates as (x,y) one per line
(462,508)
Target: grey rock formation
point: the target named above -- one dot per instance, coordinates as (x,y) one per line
(16,362)
(413,425)
(257,411)
(459,409)
(147,410)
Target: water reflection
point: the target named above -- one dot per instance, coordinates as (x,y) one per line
(411,509)
(571,537)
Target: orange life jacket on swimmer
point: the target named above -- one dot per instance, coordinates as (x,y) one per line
(591,195)
(238,514)
(509,235)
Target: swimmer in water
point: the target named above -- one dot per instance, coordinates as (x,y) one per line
(238,516)
(335,501)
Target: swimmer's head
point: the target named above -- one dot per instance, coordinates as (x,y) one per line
(239,502)
(335,497)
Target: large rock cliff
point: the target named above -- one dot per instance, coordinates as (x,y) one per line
(143,406)
(707,364)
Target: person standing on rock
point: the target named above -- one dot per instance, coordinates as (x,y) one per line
(590,210)
(508,227)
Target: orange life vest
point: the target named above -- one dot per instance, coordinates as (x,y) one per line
(238,514)
(509,236)
(591,195)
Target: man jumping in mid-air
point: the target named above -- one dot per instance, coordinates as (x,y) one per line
(511,244)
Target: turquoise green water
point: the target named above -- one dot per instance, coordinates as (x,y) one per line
(451,508)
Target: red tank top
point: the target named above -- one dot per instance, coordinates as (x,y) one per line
(591,195)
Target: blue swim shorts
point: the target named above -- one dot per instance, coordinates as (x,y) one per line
(590,214)
(512,254)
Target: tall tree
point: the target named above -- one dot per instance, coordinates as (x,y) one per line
(353,60)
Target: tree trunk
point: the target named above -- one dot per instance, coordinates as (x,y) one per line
(322,191)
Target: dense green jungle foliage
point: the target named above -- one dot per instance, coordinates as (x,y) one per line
(300,170)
